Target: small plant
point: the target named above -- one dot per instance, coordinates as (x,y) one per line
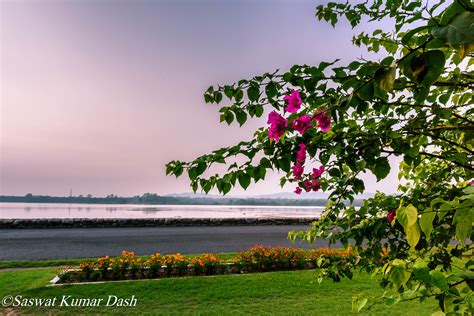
(211,263)
(103,265)
(87,267)
(135,266)
(154,265)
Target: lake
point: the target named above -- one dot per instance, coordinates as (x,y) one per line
(57,210)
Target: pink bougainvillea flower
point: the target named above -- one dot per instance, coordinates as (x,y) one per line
(297,171)
(302,124)
(294,102)
(277,125)
(324,120)
(316,185)
(298,190)
(308,185)
(317,172)
(301,153)
(391,215)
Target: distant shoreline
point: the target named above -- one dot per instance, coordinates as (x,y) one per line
(152,199)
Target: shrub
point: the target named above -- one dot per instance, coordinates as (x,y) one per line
(154,265)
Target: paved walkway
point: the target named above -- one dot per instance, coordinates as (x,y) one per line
(37,244)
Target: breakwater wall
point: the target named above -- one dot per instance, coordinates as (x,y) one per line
(146,222)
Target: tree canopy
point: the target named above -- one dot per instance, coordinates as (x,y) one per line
(329,123)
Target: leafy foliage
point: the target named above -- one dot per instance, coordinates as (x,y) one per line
(415,103)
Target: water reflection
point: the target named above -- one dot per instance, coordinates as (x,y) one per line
(45,210)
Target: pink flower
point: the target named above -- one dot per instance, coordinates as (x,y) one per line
(277,125)
(298,190)
(297,171)
(294,101)
(391,215)
(471,182)
(302,124)
(317,172)
(301,153)
(316,185)
(324,120)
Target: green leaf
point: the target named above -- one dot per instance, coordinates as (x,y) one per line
(271,90)
(398,273)
(459,31)
(217,96)
(253,93)
(390,300)
(444,209)
(435,66)
(192,173)
(208,98)
(284,164)
(358,303)
(169,169)
(229,91)
(407,216)
(239,94)
(406,38)
(413,235)
(259,110)
(264,162)
(226,188)
(418,67)
(465,49)
(178,170)
(201,167)
(438,279)
(241,117)
(206,185)
(244,180)
(421,271)
(463,219)
(229,117)
(366,92)
(454,9)
(384,79)
(382,168)
(426,221)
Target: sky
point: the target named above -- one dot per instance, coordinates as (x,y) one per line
(98,95)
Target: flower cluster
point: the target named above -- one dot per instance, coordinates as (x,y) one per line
(313,183)
(206,264)
(279,124)
(87,267)
(120,266)
(258,258)
(278,127)
(261,258)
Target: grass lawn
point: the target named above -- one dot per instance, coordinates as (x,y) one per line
(278,293)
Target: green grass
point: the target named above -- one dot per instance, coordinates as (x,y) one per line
(277,293)
(75,262)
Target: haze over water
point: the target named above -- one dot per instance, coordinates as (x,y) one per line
(57,210)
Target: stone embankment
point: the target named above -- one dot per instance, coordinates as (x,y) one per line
(146,222)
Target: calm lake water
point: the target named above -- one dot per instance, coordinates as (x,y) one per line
(54,210)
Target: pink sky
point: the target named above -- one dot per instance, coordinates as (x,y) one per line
(98,95)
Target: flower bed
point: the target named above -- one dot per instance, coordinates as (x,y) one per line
(257,259)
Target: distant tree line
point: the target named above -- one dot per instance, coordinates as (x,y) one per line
(150,198)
